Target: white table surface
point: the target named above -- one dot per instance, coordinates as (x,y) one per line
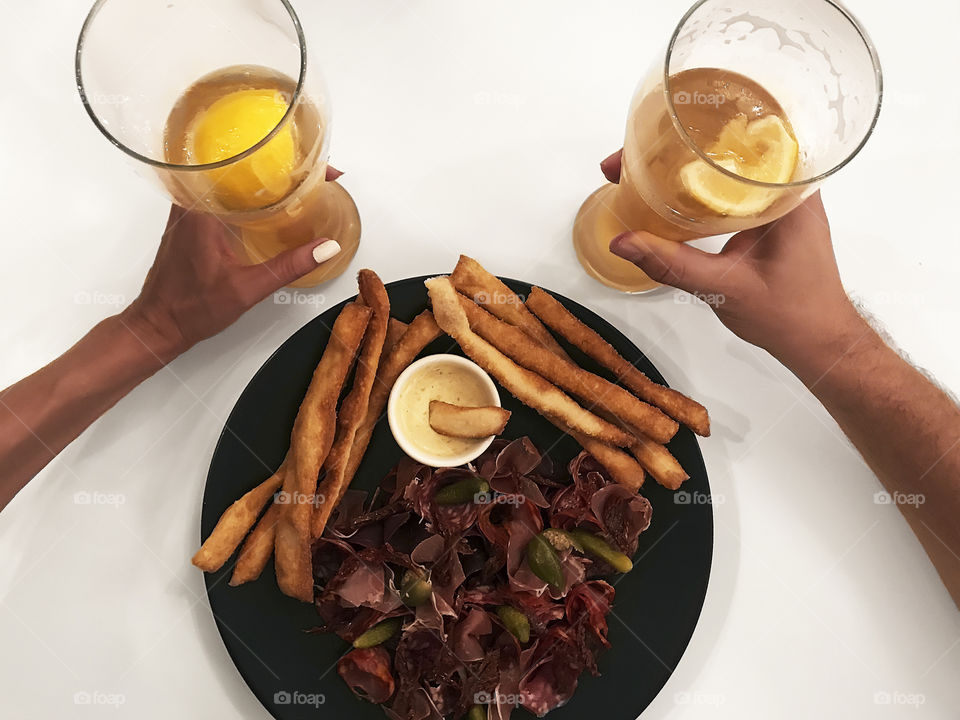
(478,131)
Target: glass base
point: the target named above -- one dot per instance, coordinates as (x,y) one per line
(330,213)
(596,225)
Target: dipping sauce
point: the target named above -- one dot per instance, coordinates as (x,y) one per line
(446,381)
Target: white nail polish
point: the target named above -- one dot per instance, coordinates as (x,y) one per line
(325,251)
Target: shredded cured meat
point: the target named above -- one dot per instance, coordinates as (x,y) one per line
(480,627)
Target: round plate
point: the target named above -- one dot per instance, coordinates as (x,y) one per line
(293,673)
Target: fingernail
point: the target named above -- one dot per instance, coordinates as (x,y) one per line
(326,250)
(610,167)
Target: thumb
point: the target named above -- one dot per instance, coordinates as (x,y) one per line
(283,269)
(672,263)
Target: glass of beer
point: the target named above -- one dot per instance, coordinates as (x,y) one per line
(756,103)
(218,102)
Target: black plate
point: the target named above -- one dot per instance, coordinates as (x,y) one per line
(656,606)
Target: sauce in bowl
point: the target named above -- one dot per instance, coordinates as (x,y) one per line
(449,378)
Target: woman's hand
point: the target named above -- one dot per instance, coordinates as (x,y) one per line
(198,286)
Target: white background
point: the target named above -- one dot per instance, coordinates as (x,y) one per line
(476,130)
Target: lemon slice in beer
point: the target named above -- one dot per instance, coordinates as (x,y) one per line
(763,150)
(237,122)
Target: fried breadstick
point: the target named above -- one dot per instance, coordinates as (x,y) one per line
(467,422)
(234,524)
(310,441)
(528,387)
(592,389)
(421,331)
(354,407)
(675,404)
(657,460)
(257,548)
(395,330)
(473,280)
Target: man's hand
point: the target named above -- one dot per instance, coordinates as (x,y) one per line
(778,286)
(197,285)
(775,286)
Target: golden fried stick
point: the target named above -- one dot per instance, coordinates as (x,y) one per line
(310,441)
(467,422)
(592,389)
(662,466)
(235,523)
(473,280)
(528,387)
(421,331)
(675,404)
(257,548)
(353,409)
(395,330)
(622,468)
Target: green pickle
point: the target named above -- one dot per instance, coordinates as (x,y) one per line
(415,590)
(477,712)
(379,633)
(516,622)
(602,550)
(462,491)
(545,562)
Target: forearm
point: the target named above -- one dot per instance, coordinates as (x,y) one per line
(906,428)
(44,412)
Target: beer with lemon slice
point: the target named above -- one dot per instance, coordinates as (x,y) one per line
(257,154)
(752,106)
(712,156)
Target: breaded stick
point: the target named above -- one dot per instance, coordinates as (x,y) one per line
(235,522)
(473,280)
(310,441)
(467,422)
(421,331)
(594,390)
(395,330)
(657,460)
(675,404)
(528,387)
(353,409)
(622,468)
(257,548)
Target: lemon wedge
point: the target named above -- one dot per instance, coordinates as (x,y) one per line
(234,123)
(763,150)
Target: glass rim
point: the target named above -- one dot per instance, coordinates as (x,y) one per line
(161,164)
(878,75)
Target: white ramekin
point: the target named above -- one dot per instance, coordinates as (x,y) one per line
(413,450)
